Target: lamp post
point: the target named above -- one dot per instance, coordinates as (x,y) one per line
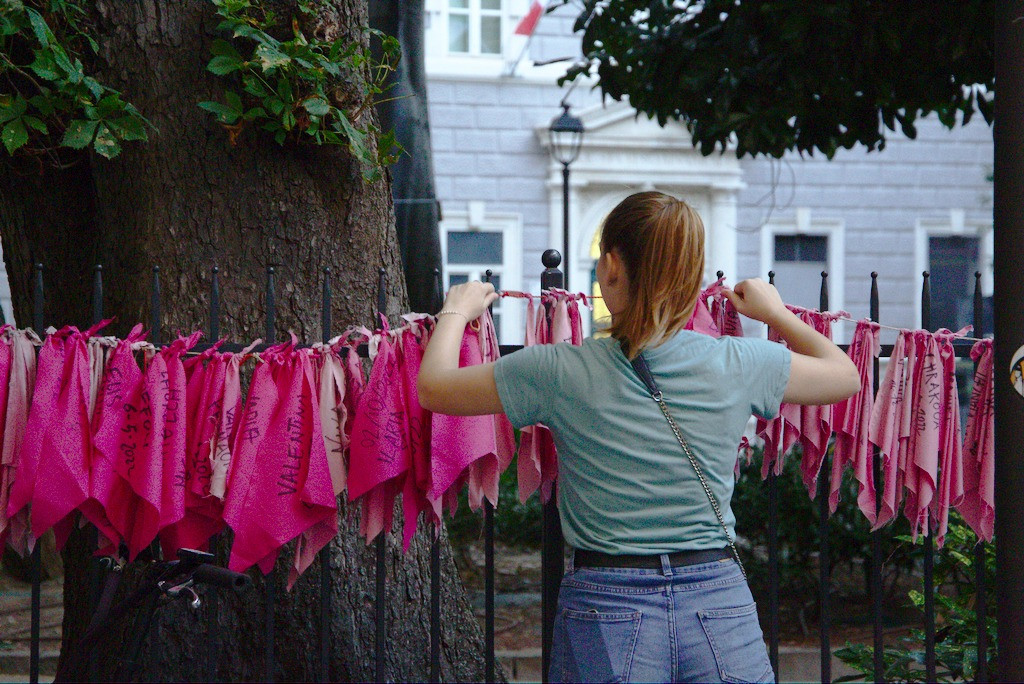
(566,133)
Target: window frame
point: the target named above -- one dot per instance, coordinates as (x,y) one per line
(804,224)
(955,224)
(438,41)
(510,226)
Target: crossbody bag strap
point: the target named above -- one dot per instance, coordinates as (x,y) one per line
(639,364)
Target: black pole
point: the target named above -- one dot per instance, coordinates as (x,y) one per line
(1009,334)
(35,568)
(552,545)
(488,576)
(154,308)
(213,598)
(435,548)
(95,569)
(271,312)
(773,559)
(565,226)
(381,567)
(324,555)
(878,637)
(214,304)
(824,562)
(268,628)
(269,667)
(929,539)
(980,597)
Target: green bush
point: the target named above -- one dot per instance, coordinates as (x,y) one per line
(849,534)
(515,523)
(956,637)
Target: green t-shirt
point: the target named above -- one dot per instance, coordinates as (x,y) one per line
(624,483)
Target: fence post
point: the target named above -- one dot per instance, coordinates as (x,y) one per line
(980,599)
(824,562)
(876,536)
(269,667)
(488,576)
(773,559)
(35,567)
(435,548)
(552,546)
(213,599)
(929,539)
(325,553)
(381,568)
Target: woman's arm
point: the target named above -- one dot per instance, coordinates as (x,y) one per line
(820,373)
(442,386)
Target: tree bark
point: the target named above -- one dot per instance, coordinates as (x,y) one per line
(184,202)
(404,109)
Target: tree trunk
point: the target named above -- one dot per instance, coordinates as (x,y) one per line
(404,109)
(185,201)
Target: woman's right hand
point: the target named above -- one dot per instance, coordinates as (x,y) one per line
(470,299)
(754,298)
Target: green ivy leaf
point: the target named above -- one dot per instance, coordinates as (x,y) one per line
(254,86)
(129,128)
(94,86)
(234,101)
(35,123)
(12,107)
(44,66)
(43,104)
(39,27)
(79,134)
(106,144)
(61,59)
(224,114)
(317,106)
(108,106)
(14,135)
(255,113)
(275,105)
(284,90)
(223,48)
(271,58)
(224,64)
(280,136)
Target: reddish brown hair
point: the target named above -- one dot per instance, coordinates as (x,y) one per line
(660,240)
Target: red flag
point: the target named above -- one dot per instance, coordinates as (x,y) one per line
(528,23)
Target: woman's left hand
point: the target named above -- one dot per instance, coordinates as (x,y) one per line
(470,299)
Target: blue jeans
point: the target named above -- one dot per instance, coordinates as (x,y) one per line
(696,623)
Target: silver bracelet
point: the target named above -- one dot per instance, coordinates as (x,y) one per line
(451,311)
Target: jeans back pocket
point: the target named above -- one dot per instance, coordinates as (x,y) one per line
(598,647)
(737,643)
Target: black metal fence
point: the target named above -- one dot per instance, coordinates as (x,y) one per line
(552,552)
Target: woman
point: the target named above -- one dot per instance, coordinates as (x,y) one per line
(653,592)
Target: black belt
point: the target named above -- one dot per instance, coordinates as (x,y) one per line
(597,559)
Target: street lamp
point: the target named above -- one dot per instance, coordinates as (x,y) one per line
(566,133)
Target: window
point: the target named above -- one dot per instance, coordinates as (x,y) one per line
(471,246)
(798,251)
(799,261)
(952,250)
(474,27)
(952,262)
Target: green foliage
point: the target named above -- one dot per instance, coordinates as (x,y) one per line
(777,75)
(956,638)
(289,87)
(849,536)
(48,100)
(515,523)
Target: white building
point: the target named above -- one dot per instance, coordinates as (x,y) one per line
(923,204)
